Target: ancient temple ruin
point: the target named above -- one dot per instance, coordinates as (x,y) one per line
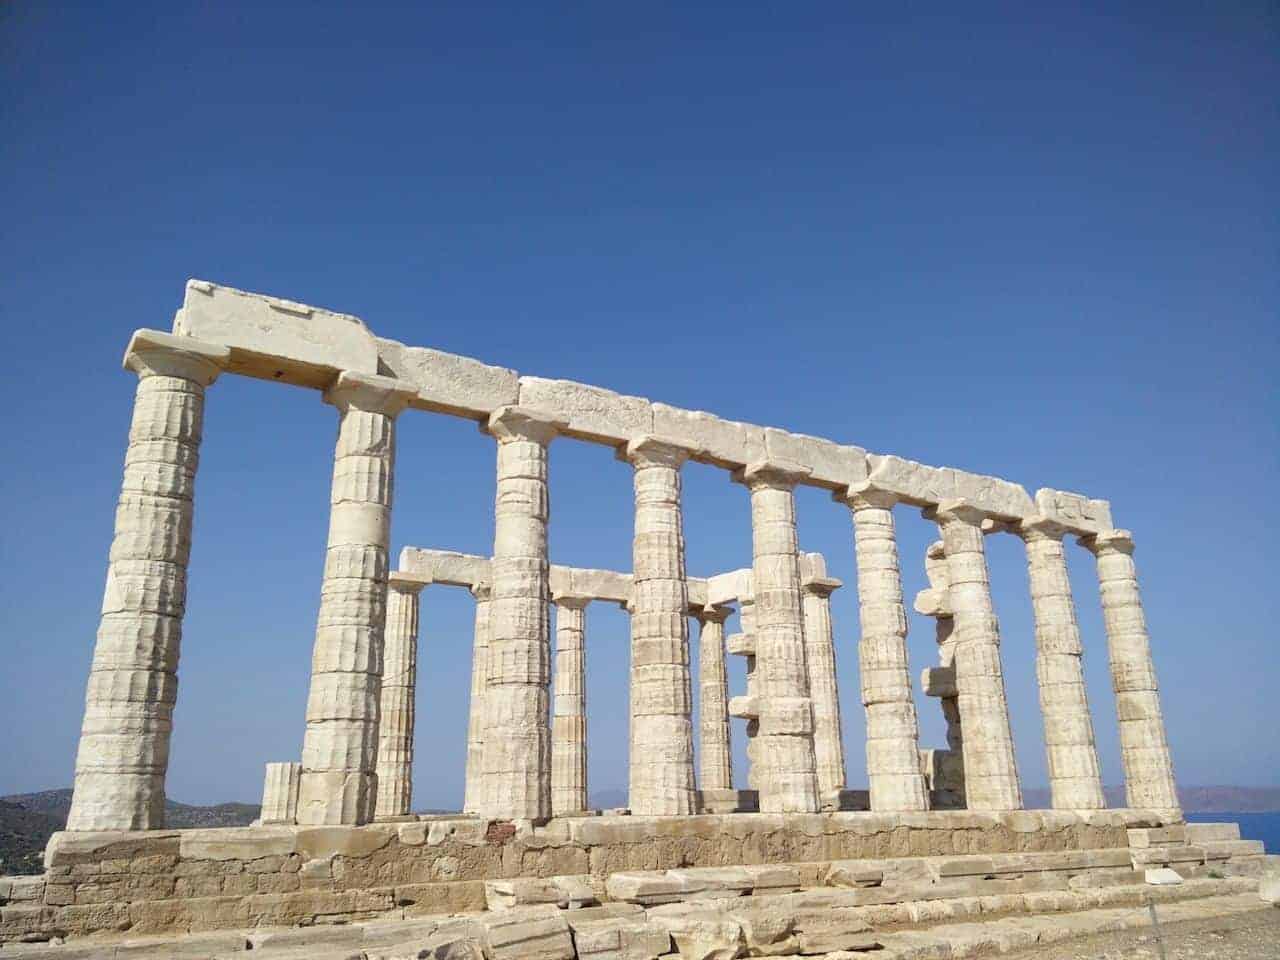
(338,839)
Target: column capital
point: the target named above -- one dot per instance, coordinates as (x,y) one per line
(407,583)
(571,601)
(1039,527)
(650,450)
(370,393)
(481,590)
(771,474)
(711,613)
(522,423)
(1108,541)
(957,509)
(864,496)
(154,353)
(820,586)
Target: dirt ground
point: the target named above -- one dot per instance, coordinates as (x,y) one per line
(1246,936)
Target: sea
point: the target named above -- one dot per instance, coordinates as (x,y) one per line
(1253,826)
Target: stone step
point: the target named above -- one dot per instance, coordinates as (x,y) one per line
(1202,832)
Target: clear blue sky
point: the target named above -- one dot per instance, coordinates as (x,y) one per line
(1035,241)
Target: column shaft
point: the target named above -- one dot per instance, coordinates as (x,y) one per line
(397,703)
(1144,746)
(1075,779)
(517,738)
(569,715)
(474,787)
(820,655)
(893,733)
(990,768)
(715,755)
(133,683)
(339,750)
(661,759)
(784,746)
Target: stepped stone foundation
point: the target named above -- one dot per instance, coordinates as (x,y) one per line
(338,843)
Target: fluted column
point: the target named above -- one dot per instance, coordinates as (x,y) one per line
(661,761)
(820,654)
(784,746)
(339,750)
(1144,747)
(517,738)
(1075,779)
(133,683)
(990,768)
(473,790)
(396,705)
(569,714)
(715,756)
(893,733)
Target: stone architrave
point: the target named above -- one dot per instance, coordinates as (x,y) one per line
(787,777)
(714,754)
(661,760)
(280,792)
(1144,747)
(990,768)
(893,733)
(516,773)
(820,654)
(569,712)
(473,789)
(133,683)
(396,706)
(339,750)
(1075,778)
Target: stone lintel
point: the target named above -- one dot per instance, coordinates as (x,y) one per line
(153,352)
(1076,512)
(732,587)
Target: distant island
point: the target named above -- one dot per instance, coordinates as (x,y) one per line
(28,819)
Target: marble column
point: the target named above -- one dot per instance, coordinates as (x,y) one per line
(569,713)
(396,705)
(516,773)
(661,760)
(1075,779)
(473,789)
(715,756)
(339,749)
(784,749)
(893,733)
(990,769)
(1144,747)
(820,654)
(133,683)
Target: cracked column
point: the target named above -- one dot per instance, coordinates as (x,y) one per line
(133,683)
(396,705)
(787,777)
(893,733)
(1075,779)
(661,760)
(569,715)
(473,789)
(1144,747)
(339,750)
(820,654)
(715,756)
(990,769)
(516,772)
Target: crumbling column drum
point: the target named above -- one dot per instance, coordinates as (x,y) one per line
(1144,748)
(517,739)
(661,761)
(339,749)
(473,790)
(893,733)
(133,682)
(784,750)
(397,704)
(1075,779)
(569,714)
(715,756)
(990,768)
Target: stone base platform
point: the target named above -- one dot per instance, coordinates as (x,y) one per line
(163,882)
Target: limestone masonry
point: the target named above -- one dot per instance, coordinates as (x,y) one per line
(799,864)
